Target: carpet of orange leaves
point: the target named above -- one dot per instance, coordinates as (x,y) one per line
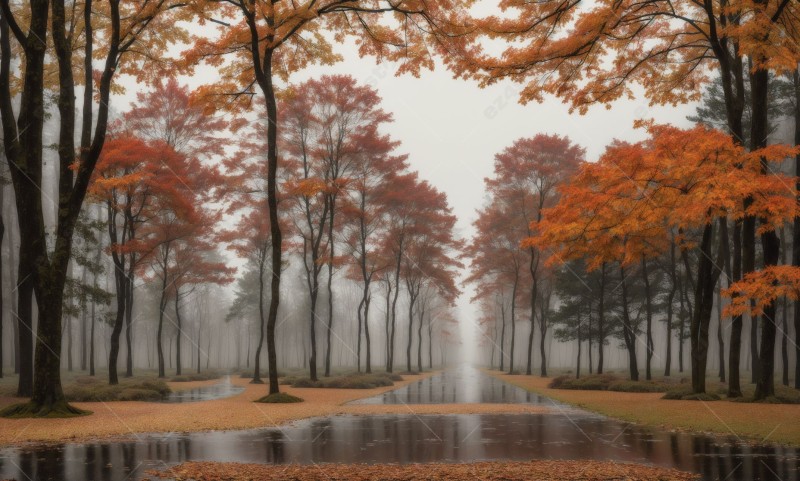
(485,471)
(750,421)
(117,419)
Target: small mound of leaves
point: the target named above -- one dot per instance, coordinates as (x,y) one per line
(279,398)
(91,389)
(687,395)
(608,382)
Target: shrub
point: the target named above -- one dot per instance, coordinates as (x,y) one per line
(607,382)
(348,381)
(95,390)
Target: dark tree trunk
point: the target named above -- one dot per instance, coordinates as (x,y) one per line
(503,335)
(673,278)
(601,316)
(649,313)
(419,336)
(707,275)
(513,324)
(770,244)
(735,348)
(328,346)
(257,363)
(368,366)
(274,224)
(25,323)
(129,314)
(628,331)
(179,334)
(532,265)
(543,330)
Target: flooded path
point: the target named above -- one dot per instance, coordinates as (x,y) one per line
(220,390)
(565,434)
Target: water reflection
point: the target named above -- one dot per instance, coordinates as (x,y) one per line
(417,439)
(219,390)
(463,385)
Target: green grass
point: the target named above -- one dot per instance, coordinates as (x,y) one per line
(89,389)
(610,382)
(279,398)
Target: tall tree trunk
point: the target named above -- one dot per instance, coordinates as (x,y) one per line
(419,336)
(735,348)
(503,334)
(673,277)
(179,334)
(543,330)
(649,313)
(328,346)
(412,298)
(91,341)
(720,337)
(770,243)
(513,324)
(601,313)
(368,364)
(129,312)
(578,361)
(84,330)
(628,332)
(534,288)
(162,305)
(257,363)
(387,324)
(707,275)
(25,322)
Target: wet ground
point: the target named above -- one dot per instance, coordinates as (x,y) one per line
(565,434)
(219,390)
(462,385)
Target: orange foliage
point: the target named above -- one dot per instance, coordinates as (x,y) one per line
(624,205)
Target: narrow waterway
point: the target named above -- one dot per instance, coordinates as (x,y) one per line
(219,390)
(565,434)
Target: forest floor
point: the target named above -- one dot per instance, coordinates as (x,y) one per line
(126,418)
(560,470)
(754,422)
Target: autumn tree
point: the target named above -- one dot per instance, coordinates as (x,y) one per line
(668,48)
(365,212)
(525,178)
(266,41)
(637,193)
(496,266)
(56,46)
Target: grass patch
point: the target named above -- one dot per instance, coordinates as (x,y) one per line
(346,381)
(279,398)
(92,389)
(783,395)
(203,376)
(608,382)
